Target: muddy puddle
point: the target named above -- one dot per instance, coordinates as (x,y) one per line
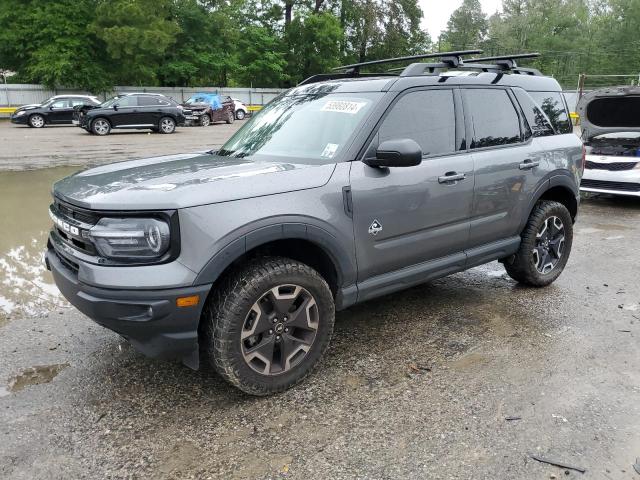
(26,287)
(32,376)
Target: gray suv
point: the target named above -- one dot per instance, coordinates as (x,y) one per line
(345,188)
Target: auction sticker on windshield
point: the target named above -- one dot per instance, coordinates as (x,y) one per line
(343,106)
(330,150)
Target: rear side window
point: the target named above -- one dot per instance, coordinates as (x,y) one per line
(536,118)
(552,103)
(151,100)
(494,117)
(428,117)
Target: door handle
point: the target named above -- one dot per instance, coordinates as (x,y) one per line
(451,177)
(529,164)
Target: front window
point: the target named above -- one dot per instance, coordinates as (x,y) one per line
(317,127)
(110,102)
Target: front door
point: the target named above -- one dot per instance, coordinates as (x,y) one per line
(407,216)
(125,112)
(60,111)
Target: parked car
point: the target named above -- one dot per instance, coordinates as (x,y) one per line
(206,108)
(241,109)
(56,110)
(337,192)
(611,131)
(131,110)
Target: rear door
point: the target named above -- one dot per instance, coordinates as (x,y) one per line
(406,216)
(507,165)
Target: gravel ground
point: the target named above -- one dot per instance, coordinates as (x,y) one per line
(417,384)
(24,148)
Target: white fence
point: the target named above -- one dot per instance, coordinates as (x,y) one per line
(15,94)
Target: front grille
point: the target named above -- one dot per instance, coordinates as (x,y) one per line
(613,167)
(76,213)
(605,185)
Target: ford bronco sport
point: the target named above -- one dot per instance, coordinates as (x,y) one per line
(345,188)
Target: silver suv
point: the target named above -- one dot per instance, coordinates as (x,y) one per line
(345,188)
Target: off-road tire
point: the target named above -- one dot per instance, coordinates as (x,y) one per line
(521,266)
(36,121)
(97,126)
(226,312)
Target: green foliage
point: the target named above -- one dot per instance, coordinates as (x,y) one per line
(95,44)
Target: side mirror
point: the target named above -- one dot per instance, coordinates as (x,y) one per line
(115,106)
(396,153)
(51,107)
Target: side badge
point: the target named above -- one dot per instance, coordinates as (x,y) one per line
(375,228)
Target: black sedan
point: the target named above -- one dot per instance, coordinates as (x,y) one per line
(57,110)
(132,111)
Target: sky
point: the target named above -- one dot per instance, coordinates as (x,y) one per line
(437,13)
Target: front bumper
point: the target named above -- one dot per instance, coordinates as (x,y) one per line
(614,182)
(19,119)
(149,319)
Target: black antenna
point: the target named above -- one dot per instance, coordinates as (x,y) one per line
(452,55)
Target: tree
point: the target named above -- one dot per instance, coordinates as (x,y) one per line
(466,27)
(262,61)
(137,36)
(47,42)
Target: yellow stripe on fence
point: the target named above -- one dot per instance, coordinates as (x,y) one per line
(254,108)
(7,109)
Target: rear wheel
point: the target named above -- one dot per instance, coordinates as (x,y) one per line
(230,118)
(101,126)
(268,325)
(545,246)
(36,121)
(167,125)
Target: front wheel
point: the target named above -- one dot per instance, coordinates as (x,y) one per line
(167,125)
(36,121)
(205,120)
(101,126)
(545,246)
(240,114)
(268,325)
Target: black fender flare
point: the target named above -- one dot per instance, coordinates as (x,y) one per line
(343,262)
(564,180)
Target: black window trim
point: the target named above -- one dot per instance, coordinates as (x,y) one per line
(374,138)
(469,122)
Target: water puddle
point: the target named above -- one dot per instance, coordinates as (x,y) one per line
(35,376)
(26,287)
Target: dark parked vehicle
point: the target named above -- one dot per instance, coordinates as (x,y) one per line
(206,108)
(348,187)
(131,110)
(57,110)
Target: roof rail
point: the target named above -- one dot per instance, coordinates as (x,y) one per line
(448,57)
(505,61)
(321,77)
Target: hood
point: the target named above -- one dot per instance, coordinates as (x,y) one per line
(609,110)
(192,106)
(186,180)
(30,106)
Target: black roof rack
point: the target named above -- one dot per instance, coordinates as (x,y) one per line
(453,57)
(448,60)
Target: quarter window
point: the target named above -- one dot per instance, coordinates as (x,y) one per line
(428,117)
(553,105)
(536,118)
(494,118)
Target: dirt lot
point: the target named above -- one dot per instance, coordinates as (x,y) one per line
(23,148)
(462,378)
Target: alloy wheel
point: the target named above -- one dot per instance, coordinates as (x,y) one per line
(240,115)
(549,245)
(205,120)
(279,330)
(167,125)
(36,121)
(101,126)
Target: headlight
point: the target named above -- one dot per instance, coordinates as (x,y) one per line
(21,112)
(131,238)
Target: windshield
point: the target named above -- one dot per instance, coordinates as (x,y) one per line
(196,99)
(109,102)
(316,126)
